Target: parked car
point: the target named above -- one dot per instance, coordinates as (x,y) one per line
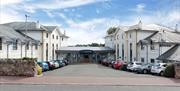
(145,68)
(66,61)
(60,62)
(124,66)
(108,61)
(56,64)
(104,61)
(158,68)
(118,64)
(51,65)
(44,65)
(112,63)
(132,66)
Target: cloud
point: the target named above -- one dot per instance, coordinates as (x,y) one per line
(90,31)
(140,7)
(9,2)
(61,4)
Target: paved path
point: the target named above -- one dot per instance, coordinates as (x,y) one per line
(84,88)
(92,74)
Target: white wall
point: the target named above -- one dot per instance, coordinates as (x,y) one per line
(19,53)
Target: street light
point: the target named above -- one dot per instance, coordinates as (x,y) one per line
(26,16)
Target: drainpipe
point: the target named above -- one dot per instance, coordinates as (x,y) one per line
(21,50)
(8,51)
(31,51)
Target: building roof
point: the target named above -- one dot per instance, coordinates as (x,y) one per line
(77,49)
(50,28)
(11,35)
(22,26)
(166,37)
(171,55)
(32,26)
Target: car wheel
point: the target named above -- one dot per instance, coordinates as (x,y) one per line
(145,72)
(161,73)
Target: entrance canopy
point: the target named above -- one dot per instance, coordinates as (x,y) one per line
(85,49)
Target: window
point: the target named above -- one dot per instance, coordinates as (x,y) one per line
(122,36)
(36,46)
(27,46)
(53,51)
(56,46)
(122,51)
(57,37)
(15,45)
(152,60)
(142,60)
(56,49)
(46,51)
(130,52)
(53,36)
(152,47)
(62,38)
(142,47)
(46,35)
(130,35)
(0,43)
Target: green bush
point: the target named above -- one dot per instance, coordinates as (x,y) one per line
(169,71)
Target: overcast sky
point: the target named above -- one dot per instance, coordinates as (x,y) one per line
(86,21)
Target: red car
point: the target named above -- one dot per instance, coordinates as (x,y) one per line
(118,64)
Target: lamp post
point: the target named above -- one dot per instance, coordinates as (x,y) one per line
(26,16)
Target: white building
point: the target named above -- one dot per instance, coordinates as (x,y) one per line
(16,45)
(50,37)
(131,44)
(110,40)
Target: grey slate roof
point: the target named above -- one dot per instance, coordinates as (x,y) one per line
(76,49)
(150,27)
(32,26)
(23,26)
(167,37)
(50,28)
(171,55)
(11,35)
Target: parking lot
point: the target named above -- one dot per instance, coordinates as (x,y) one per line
(93,70)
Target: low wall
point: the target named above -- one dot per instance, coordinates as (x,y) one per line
(17,67)
(177,70)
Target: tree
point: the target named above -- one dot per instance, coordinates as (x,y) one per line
(111,30)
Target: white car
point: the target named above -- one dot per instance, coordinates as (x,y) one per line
(56,64)
(158,68)
(132,66)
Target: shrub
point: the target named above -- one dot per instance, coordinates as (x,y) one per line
(169,71)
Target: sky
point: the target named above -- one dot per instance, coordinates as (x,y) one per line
(86,21)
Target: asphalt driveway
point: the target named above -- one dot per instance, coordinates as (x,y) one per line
(92,70)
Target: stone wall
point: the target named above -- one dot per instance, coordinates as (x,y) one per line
(17,67)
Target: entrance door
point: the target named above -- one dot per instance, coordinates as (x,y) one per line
(86,58)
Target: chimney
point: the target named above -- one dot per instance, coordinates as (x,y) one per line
(37,25)
(140,24)
(64,32)
(176,28)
